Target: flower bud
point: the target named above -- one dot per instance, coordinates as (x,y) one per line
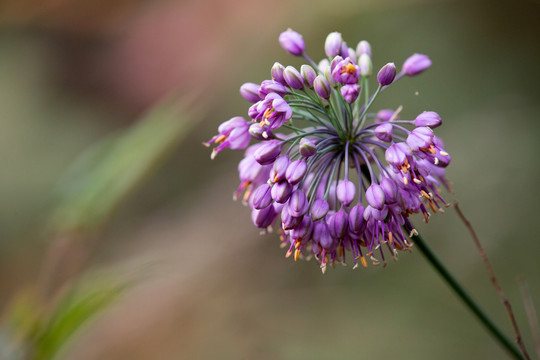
(322,87)
(328,76)
(271,86)
(261,197)
(277,73)
(289,222)
(375,196)
(307,147)
(383,132)
(335,61)
(396,154)
(250,92)
(263,218)
(302,230)
(376,213)
(319,209)
(356,219)
(363,48)
(351,54)
(281,191)
(279,168)
(260,133)
(323,65)
(321,235)
(387,74)
(332,45)
(296,171)
(346,192)
(416,64)
(338,224)
(420,138)
(350,92)
(268,152)
(365,65)
(298,204)
(344,51)
(293,78)
(428,118)
(390,190)
(292,42)
(332,196)
(384,115)
(308,74)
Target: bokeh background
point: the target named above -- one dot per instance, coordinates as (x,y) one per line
(209,287)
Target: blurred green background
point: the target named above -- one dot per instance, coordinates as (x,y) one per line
(76,72)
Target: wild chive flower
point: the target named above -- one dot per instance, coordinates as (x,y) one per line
(339,177)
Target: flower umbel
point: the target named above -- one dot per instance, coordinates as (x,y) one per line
(341,178)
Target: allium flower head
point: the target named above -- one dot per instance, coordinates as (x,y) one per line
(337,177)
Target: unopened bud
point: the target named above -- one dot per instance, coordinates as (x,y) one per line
(387,74)
(293,78)
(292,42)
(365,65)
(308,74)
(332,45)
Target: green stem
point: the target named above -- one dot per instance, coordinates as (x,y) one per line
(467,299)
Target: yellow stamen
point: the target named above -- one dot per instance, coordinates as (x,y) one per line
(220,139)
(296,254)
(349,68)
(246,196)
(363,261)
(267,113)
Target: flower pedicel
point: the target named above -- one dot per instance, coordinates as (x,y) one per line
(337,177)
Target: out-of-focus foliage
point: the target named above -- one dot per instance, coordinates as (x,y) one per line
(103,176)
(41,332)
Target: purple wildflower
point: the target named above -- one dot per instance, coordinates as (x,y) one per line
(233,134)
(250,92)
(345,72)
(387,74)
(273,111)
(322,87)
(343,179)
(292,42)
(293,78)
(416,64)
(332,45)
(350,92)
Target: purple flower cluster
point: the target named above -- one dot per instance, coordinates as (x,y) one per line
(337,178)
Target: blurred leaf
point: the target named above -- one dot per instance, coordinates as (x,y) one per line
(103,176)
(20,324)
(72,312)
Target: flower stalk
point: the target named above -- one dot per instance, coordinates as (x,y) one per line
(460,291)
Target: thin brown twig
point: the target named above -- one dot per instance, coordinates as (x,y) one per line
(495,282)
(531,314)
